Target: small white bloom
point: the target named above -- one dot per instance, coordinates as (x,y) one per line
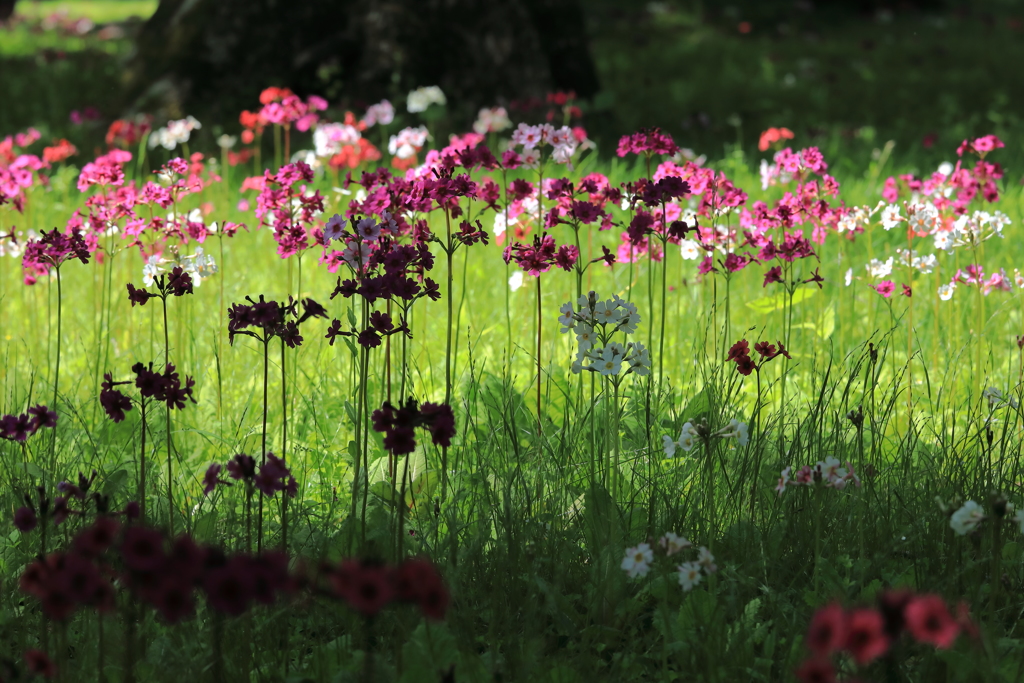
(669,446)
(585,337)
(566,319)
(516,281)
(849,276)
(967,518)
(637,561)
(706,560)
(689,250)
(673,543)
(946,291)
(1018,519)
(421,98)
(689,575)
(891,216)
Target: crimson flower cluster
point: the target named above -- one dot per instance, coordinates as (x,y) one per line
(867,633)
(175,283)
(165,387)
(167,574)
(50,251)
(646,141)
(271,477)
(740,354)
(538,257)
(20,427)
(272,319)
(398,424)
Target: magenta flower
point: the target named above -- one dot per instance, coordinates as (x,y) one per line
(885,288)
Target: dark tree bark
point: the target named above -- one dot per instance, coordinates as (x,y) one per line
(219,54)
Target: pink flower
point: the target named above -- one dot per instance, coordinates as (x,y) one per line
(885,288)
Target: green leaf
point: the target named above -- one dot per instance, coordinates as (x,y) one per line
(776,302)
(206,526)
(115,482)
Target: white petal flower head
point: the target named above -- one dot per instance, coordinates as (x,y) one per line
(946,291)
(669,446)
(687,442)
(849,276)
(742,434)
(943,240)
(566,319)
(689,575)
(607,312)
(421,98)
(689,250)
(610,362)
(891,216)
(879,269)
(585,337)
(637,561)
(516,280)
(967,518)
(706,560)
(151,270)
(673,543)
(1018,519)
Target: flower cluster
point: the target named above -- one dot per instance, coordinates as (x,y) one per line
(593,323)
(830,471)
(533,139)
(867,633)
(20,427)
(282,107)
(772,137)
(398,424)
(493,120)
(174,133)
(269,478)
(164,387)
(50,251)
(639,559)
(420,99)
(692,434)
(176,283)
(167,574)
(289,207)
(740,354)
(272,319)
(647,141)
(969,516)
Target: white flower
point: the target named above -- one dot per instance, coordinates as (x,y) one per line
(528,136)
(151,270)
(706,560)
(943,241)
(567,319)
(967,518)
(637,561)
(689,250)
(516,281)
(421,98)
(500,224)
(335,228)
(492,121)
(530,159)
(783,480)
(329,138)
(585,337)
(609,362)
(689,575)
(879,269)
(891,216)
(945,168)
(669,446)
(736,430)
(1018,519)
(607,312)
(174,133)
(227,141)
(946,291)
(639,359)
(673,543)
(849,276)
(407,142)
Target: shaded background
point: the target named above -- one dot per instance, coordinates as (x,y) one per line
(845,73)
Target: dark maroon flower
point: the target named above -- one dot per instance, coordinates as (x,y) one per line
(440,422)
(774,274)
(370,589)
(242,466)
(132,510)
(44,417)
(400,441)
(229,588)
(179,282)
(138,296)
(60,511)
(39,664)
(142,549)
(738,350)
(368,338)
(25,519)
(212,478)
(174,600)
(95,539)
(115,404)
(289,333)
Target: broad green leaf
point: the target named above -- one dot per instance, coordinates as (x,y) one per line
(778,301)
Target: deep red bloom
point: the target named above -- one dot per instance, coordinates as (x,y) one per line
(229,588)
(929,621)
(174,600)
(25,519)
(143,549)
(774,274)
(827,632)
(738,350)
(816,671)
(865,635)
(745,365)
(96,538)
(39,664)
(370,589)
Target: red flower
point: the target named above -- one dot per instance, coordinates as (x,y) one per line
(739,349)
(370,588)
(929,621)
(142,549)
(827,632)
(865,635)
(816,671)
(96,539)
(229,588)
(38,663)
(745,365)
